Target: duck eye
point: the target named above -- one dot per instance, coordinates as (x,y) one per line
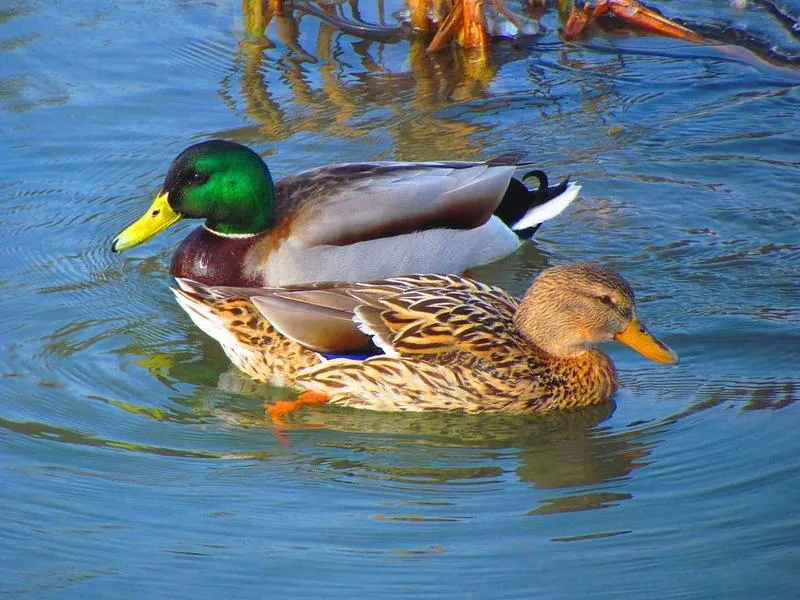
(197,177)
(606,299)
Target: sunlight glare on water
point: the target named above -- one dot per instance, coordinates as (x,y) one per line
(136,461)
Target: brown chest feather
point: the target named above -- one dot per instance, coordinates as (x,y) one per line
(214,260)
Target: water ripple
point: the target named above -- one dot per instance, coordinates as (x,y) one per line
(127,441)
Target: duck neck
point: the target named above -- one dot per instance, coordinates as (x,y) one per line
(546,326)
(251,214)
(559,352)
(590,378)
(240,199)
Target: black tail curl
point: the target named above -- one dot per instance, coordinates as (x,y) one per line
(518,199)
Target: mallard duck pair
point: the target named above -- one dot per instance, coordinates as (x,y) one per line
(441,342)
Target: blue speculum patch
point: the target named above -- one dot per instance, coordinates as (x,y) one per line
(360,355)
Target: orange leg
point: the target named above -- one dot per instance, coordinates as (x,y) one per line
(281,408)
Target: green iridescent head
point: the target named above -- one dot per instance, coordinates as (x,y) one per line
(223,182)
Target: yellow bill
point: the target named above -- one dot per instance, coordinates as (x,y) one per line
(157,218)
(637,337)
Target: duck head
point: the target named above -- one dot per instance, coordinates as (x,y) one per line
(223,182)
(570,308)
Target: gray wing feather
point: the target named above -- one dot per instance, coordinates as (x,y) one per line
(343,204)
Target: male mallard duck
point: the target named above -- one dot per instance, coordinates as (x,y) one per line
(354,222)
(449,343)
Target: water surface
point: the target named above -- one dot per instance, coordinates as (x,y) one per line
(135,461)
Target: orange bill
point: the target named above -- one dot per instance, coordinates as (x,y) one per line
(645,343)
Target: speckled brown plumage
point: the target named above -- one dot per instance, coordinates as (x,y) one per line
(450,343)
(250,341)
(455,348)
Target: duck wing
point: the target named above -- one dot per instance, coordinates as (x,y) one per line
(420,316)
(462,319)
(347,203)
(318,319)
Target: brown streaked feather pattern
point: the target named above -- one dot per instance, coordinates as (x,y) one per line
(451,345)
(362,304)
(405,384)
(425,322)
(248,339)
(456,349)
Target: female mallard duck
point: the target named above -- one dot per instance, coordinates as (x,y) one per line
(354,222)
(449,343)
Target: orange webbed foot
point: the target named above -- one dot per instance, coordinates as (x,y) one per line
(278,410)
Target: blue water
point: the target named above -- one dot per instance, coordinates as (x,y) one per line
(135,462)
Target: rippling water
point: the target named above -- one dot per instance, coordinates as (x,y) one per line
(134,460)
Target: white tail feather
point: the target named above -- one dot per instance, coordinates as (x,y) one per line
(548,210)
